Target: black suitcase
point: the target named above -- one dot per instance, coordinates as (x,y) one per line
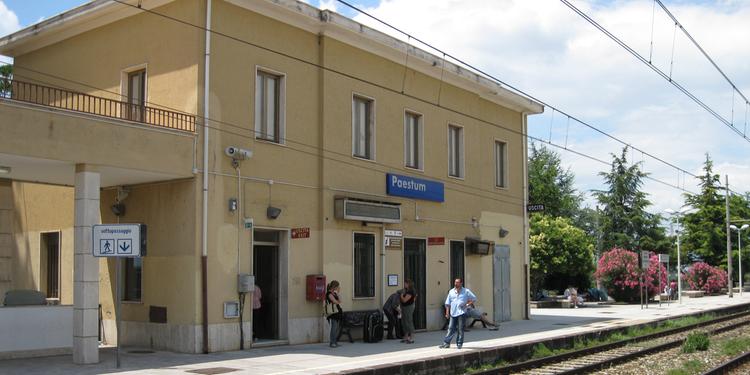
(373,327)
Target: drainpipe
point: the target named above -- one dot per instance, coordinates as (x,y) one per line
(383,280)
(526,253)
(204,224)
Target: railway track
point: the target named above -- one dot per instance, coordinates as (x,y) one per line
(607,355)
(737,365)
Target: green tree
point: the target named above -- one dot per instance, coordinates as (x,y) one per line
(561,254)
(551,185)
(705,228)
(6,73)
(624,221)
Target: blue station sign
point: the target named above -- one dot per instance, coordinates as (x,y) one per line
(417,188)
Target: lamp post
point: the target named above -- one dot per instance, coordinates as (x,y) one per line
(677,215)
(739,247)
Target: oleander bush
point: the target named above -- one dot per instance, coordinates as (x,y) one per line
(619,272)
(702,276)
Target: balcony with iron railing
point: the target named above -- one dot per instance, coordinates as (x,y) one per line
(12,89)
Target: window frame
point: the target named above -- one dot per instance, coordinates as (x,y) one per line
(125,90)
(419,141)
(506,184)
(280,133)
(45,256)
(462,153)
(463,263)
(354,266)
(123,280)
(373,127)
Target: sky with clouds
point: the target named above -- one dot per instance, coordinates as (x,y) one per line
(543,48)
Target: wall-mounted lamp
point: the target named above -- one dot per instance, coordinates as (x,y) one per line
(4,169)
(232,204)
(503,232)
(118,209)
(273,212)
(474,223)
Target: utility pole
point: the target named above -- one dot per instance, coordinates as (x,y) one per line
(729,241)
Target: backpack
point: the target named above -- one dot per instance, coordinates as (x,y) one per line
(373,327)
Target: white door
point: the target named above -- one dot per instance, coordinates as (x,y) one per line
(501,282)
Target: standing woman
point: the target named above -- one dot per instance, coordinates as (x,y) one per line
(334,313)
(408,297)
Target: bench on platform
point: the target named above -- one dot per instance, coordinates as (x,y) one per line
(353,319)
(693,293)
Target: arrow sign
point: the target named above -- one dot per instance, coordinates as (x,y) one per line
(124,246)
(119,240)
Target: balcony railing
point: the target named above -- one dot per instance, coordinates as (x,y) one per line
(75,101)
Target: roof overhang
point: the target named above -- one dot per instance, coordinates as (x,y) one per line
(98,13)
(70,23)
(339,27)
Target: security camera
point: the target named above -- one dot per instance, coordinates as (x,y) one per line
(237,153)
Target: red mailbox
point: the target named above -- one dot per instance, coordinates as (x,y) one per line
(316,287)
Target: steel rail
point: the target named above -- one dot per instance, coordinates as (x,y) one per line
(559,358)
(729,365)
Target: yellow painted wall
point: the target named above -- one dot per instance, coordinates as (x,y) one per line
(92,62)
(38,209)
(307,172)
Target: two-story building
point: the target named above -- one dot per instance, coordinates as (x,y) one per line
(373,161)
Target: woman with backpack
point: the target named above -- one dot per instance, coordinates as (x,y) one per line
(334,314)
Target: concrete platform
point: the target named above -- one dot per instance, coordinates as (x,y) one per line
(320,359)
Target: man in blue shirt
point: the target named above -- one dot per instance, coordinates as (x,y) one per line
(455,310)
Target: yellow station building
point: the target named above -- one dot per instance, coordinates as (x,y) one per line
(370,161)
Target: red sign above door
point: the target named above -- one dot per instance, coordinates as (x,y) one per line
(300,232)
(432,241)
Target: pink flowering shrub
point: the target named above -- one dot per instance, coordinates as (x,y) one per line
(652,280)
(702,276)
(620,273)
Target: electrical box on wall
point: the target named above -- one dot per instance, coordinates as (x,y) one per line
(316,287)
(245,283)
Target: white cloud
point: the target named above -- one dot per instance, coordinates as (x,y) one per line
(327,4)
(547,50)
(8,20)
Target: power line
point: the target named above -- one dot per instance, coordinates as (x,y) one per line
(242,41)
(667,77)
(515,89)
(371,83)
(684,30)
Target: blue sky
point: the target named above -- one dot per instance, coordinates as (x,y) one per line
(546,50)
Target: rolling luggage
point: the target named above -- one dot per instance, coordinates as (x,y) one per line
(373,327)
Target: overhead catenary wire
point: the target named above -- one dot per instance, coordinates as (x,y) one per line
(511,87)
(412,96)
(664,75)
(705,54)
(375,84)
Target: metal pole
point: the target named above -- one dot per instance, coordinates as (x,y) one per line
(739,257)
(729,241)
(117,310)
(679,266)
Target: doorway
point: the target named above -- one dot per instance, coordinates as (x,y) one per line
(415,268)
(266,244)
(49,264)
(501,282)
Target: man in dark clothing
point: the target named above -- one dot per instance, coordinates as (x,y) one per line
(391,310)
